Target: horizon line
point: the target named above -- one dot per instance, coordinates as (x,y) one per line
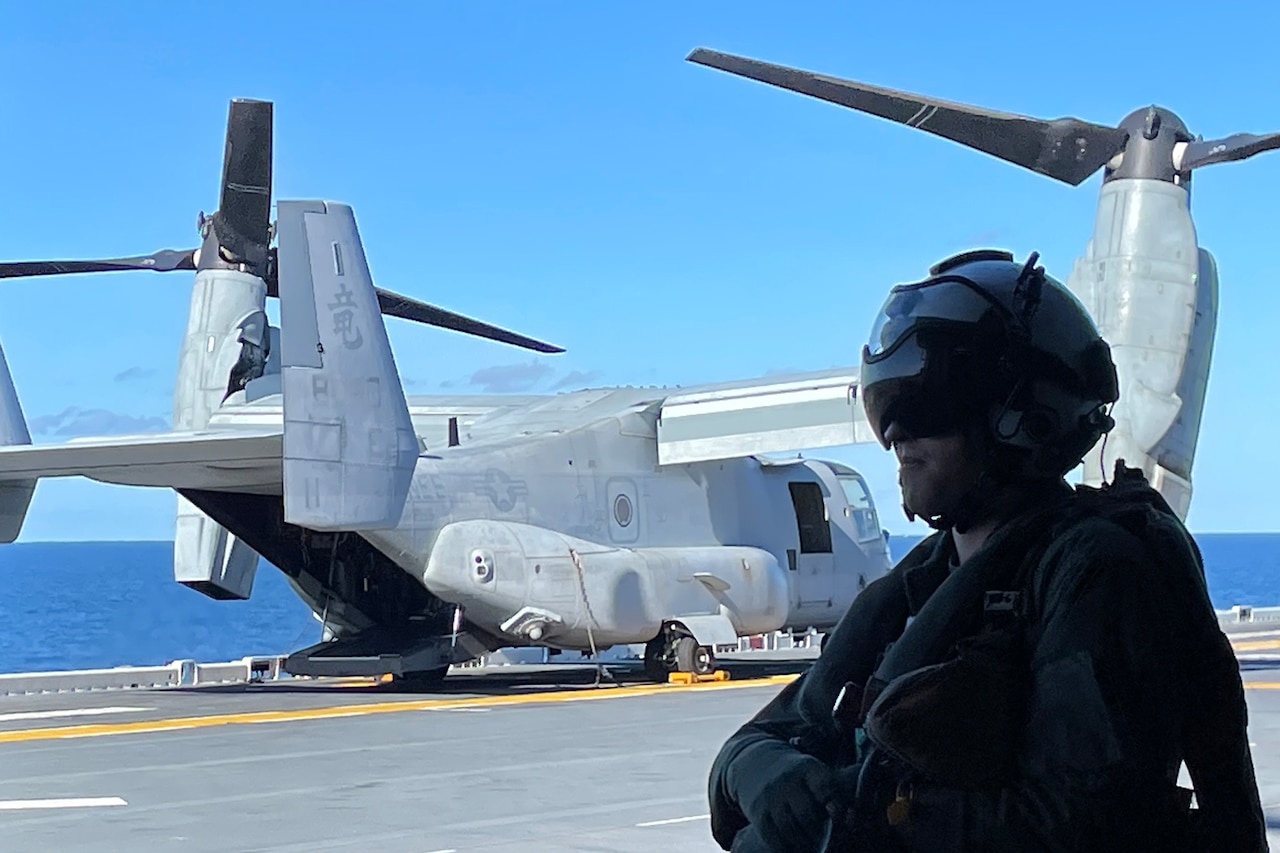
(891,533)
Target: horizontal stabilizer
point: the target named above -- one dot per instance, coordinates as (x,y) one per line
(241,460)
(349,445)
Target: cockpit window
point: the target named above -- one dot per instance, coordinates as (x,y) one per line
(861,508)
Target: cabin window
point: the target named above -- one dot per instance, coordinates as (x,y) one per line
(861,509)
(811,518)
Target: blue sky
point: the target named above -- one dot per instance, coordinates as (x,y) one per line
(560,169)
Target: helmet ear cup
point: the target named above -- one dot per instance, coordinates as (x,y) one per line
(1100,375)
(1040,424)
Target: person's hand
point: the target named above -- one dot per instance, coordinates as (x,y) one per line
(790,810)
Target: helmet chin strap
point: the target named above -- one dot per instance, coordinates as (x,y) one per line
(995,494)
(988,499)
(974,506)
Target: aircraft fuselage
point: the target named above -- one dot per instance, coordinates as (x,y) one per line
(540,523)
(553,524)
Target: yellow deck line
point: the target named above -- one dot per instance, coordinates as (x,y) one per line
(1255,645)
(333,711)
(336,711)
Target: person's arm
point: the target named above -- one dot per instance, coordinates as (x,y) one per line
(1092,758)
(753,764)
(760,777)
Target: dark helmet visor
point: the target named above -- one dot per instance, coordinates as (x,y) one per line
(907,374)
(910,306)
(921,406)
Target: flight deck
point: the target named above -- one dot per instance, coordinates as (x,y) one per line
(535,758)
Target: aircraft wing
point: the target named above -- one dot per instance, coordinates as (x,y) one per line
(240,460)
(775,414)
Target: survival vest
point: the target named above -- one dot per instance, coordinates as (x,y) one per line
(980,687)
(1215,740)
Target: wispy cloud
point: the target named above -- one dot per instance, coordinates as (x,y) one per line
(990,237)
(518,378)
(135,373)
(74,422)
(508,378)
(576,379)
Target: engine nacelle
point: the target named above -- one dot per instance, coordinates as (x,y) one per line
(1153,294)
(534,585)
(225,342)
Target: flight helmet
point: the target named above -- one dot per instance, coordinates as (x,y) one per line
(990,344)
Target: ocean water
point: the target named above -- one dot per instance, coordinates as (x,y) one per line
(79,605)
(82,605)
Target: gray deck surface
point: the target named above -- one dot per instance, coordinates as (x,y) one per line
(625,773)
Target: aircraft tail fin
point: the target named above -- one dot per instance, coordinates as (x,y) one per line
(349,445)
(15,495)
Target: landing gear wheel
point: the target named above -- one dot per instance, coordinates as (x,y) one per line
(691,657)
(675,651)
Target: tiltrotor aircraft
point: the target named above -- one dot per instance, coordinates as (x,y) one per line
(426,531)
(1151,289)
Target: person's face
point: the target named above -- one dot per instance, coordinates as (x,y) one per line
(934,473)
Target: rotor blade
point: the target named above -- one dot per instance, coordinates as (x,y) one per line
(1238,146)
(1067,149)
(166,260)
(245,201)
(396,305)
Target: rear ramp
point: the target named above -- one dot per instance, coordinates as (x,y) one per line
(377,652)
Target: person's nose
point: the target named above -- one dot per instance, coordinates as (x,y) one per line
(894,433)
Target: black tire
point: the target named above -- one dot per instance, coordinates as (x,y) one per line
(655,666)
(655,670)
(691,657)
(704,661)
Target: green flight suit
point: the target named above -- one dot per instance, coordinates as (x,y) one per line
(1104,704)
